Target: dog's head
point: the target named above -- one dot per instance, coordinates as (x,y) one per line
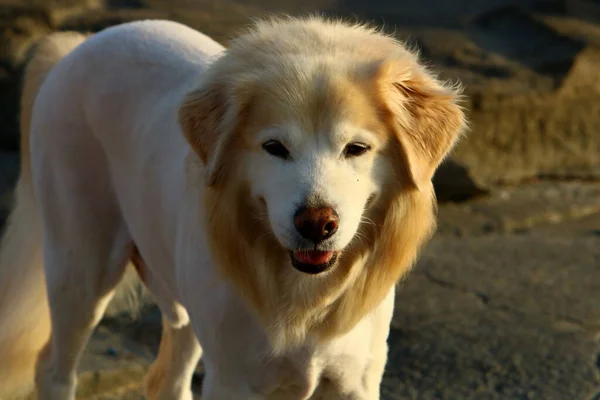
(313,158)
(327,127)
(321,125)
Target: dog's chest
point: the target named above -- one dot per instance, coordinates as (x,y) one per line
(322,376)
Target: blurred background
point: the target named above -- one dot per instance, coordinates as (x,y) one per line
(505,301)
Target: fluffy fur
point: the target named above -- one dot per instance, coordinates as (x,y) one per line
(147,146)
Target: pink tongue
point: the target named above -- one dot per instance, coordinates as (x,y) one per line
(313,257)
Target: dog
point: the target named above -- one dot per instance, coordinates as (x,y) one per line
(270,195)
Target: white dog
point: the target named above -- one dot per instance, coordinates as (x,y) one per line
(270,196)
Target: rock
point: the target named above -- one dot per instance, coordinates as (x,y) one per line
(521,208)
(584,9)
(552,137)
(453,182)
(534,105)
(516,137)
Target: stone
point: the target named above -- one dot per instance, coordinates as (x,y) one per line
(584,9)
(533,105)
(454,183)
(521,208)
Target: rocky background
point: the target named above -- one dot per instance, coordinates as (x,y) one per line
(505,301)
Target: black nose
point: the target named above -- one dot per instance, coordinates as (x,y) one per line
(316,224)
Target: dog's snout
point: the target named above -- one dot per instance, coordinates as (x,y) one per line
(316,224)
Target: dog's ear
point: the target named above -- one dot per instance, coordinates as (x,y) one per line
(423,113)
(209,117)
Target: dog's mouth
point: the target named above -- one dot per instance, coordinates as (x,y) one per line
(313,261)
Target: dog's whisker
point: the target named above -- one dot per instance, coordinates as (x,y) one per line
(368,221)
(266,233)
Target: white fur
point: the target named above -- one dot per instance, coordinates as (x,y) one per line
(315,172)
(110,166)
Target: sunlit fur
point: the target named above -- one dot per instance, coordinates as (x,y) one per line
(143,144)
(318,76)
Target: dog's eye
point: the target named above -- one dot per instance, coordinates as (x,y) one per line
(356,149)
(275,148)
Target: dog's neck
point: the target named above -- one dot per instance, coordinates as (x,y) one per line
(292,306)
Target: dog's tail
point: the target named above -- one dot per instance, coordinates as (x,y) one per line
(24,314)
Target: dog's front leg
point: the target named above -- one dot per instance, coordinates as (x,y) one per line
(374,374)
(170,376)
